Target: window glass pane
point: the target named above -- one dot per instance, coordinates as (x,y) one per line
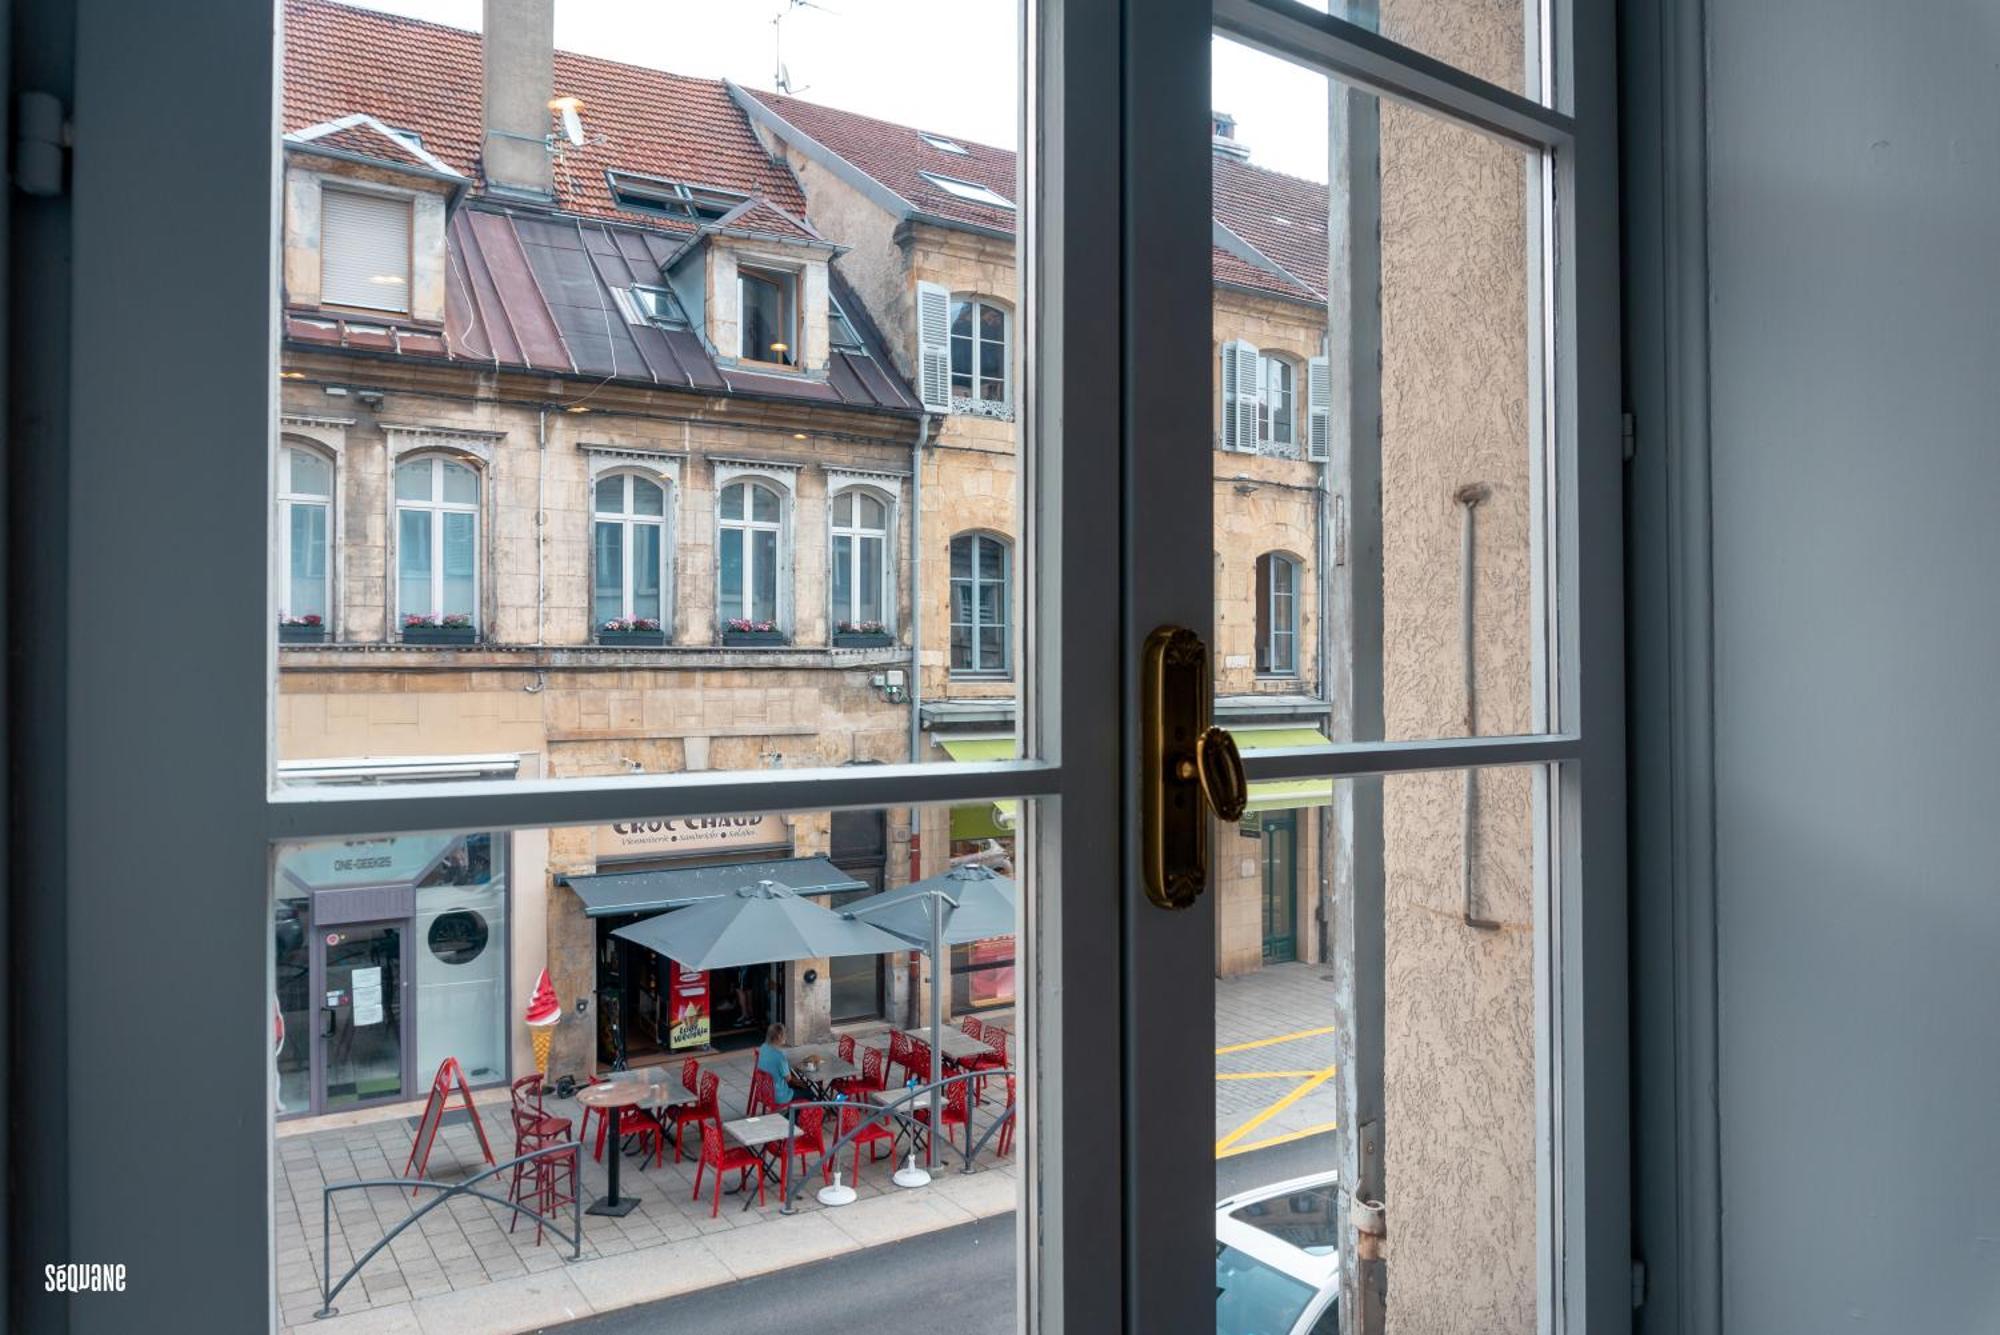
(868,604)
(763,505)
(308,573)
(311,474)
(732,501)
(611,495)
(461,563)
(992,648)
(413,480)
(766,330)
(764,573)
(646,571)
(461,484)
(870,513)
(992,559)
(647,497)
(413,562)
(843,508)
(730,564)
(843,579)
(609,572)
(1380,592)
(961,558)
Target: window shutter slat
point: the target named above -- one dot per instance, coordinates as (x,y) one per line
(1230,390)
(364,250)
(934,346)
(1246,397)
(1319,409)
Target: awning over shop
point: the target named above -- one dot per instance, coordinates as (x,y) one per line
(651,891)
(982,820)
(1284,794)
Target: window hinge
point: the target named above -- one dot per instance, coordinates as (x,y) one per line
(1638,1272)
(1630,437)
(41,143)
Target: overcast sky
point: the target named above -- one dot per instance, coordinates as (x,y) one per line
(943,65)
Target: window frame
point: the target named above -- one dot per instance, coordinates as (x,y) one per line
(782,526)
(885,594)
(404,199)
(628,519)
(437,507)
(973,401)
(976,582)
(1268,363)
(288,497)
(1269,627)
(786,283)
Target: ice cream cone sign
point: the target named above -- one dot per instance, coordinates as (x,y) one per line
(543,1013)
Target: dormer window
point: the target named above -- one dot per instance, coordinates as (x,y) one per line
(769,316)
(364,250)
(673,199)
(971,190)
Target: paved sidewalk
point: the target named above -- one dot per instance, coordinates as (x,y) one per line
(460,1270)
(1274,1059)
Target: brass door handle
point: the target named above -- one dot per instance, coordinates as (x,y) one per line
(1188,767)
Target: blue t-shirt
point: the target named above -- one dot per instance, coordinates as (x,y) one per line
(772,1060)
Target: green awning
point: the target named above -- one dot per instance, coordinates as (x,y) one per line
(983,820)
(1284,794)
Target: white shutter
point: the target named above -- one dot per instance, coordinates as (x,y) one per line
(1248,386)
(934,346)
(364,250)
(1229,393)
(1319,409)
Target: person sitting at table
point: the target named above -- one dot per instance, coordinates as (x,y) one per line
(771,1059)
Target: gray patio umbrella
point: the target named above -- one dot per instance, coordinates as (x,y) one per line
(763,923)
(969,903)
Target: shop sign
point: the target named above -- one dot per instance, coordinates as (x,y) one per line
(687,1002)
(700,834)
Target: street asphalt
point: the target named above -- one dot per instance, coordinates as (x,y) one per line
(863,1291)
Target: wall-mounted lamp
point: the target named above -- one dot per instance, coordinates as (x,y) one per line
(892,685)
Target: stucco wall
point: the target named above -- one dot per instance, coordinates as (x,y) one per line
(1459,1001)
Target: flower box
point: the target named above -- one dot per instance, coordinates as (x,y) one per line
(742,638)
(440,635)
(863,639)
(630,639)
(301,634)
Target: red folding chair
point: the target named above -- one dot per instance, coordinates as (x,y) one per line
(876,1132)
(725,1159)
(707,1107)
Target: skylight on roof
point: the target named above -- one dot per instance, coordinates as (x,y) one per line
(840,331)
(674,199)
(944,145)
(978,194)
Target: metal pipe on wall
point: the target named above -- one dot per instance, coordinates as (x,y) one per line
(1468,498)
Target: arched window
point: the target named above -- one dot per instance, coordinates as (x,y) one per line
(1277,615)
(860,559)
(629,553)
(437,542)
(305,536)
(981,361)
(751,520)
(980,576)
(1277,400)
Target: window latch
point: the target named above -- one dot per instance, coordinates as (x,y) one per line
(41,144)
(1188,767)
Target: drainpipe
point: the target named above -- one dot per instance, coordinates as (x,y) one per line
(1468,498)
(541,523)
(917,589)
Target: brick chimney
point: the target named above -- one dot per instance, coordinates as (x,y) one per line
(519,47)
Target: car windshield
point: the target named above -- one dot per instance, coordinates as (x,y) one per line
(1305,1219)
(1252,1298)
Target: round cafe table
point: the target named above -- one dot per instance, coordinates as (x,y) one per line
(612,1098)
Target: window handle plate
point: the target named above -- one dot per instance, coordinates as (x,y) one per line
(1188,767)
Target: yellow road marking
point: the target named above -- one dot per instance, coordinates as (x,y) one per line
(1267,1143)
(1305,1087)
(1268,1042)
(1265,1075)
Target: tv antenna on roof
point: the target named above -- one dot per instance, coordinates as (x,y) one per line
(781,77)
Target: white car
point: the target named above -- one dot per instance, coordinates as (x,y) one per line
(1277,1263)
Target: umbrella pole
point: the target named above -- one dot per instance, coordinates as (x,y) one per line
(937,1021)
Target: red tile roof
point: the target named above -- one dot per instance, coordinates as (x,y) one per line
(425,77)
(364,137)
(1282,216)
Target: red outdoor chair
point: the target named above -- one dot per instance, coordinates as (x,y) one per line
(873,1076)
(707,1107)
(970,1027)
(725,1159)
(995,1038)
(632,1121)
(763,1094)
(527,1098)
(1006,1142)
(955,1111)
(876,1132)
(551,1180)
(899,1051)
(808,1138)
(845,1045)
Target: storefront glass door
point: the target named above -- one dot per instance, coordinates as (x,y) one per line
(1281,886)
(360,1034)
